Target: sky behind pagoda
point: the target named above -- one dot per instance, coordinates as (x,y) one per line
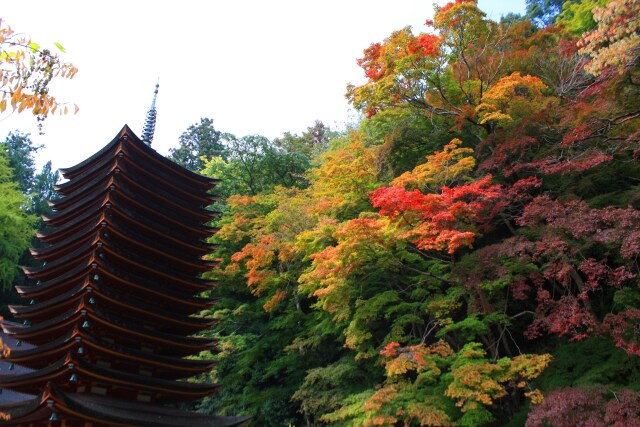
(253,66)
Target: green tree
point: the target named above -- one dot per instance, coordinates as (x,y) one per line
(20,151)
(37,186)
(544,12)
(315,140)
(16,225)
(199,143)
(577,17)
(253,164)
(42,189)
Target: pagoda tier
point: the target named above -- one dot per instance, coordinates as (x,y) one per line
(85,409)
(112,313)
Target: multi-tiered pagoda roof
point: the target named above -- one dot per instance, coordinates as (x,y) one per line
(112,316)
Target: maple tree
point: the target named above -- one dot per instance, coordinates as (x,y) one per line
(452,165)
(587,406)
(422,72)
(511,99)
(444,262)
(614,43)
(26,71)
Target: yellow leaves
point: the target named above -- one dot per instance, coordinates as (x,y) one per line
(345,177)
(496,117)
(401,402)
(400,365)
(511,99)
(454,164)
(471,380)
(475,383)
(529,366)
(325,281)
(428,415)
(417,358)
(25,73)
(536,396)
(478,381)
(5,350)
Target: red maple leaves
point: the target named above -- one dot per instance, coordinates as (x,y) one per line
(445,221)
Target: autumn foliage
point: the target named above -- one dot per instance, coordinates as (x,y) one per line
(26,70)
(441,258)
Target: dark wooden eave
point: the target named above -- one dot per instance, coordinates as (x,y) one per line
(49,329)
(90,162)
(158,272)
(163,320)
(166,246)
(50,307)
(82,224)
(165,366)
(62,283)
(83,233)
(173,169)
(56,327)
(105,411)
(184,190)
(33,382)
(168,391)
(126,135)
(141,285)
(100,169)
(130,161)
(146,204)
(165,343)
(117,412)
(120,241)
(90,202)
(176,298)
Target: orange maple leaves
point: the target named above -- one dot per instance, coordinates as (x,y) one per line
(25,73)
(444,221)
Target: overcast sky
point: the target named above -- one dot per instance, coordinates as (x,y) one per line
(253,66)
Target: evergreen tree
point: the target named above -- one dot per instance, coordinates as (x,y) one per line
(199,143)
(544,12)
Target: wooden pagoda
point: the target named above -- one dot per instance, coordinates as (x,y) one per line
(110,317)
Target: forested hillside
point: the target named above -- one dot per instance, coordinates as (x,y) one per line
(466,255)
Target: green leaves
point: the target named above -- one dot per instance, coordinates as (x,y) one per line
(16,226)
(409,274)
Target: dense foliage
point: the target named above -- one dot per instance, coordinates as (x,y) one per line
(467,255)
(16,226)
(23,199)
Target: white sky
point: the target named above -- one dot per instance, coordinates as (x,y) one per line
(253,66)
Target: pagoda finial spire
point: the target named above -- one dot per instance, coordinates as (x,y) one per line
(150,122)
